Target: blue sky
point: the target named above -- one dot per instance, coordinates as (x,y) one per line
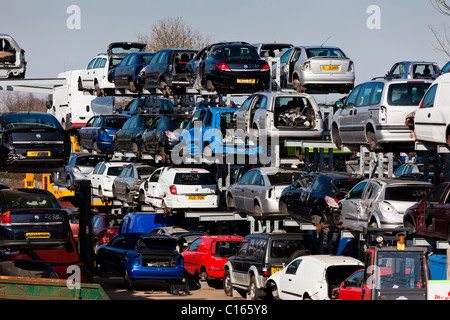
(39,26)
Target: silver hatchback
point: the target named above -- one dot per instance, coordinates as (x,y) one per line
(381,202)
(12,58)
(259,190)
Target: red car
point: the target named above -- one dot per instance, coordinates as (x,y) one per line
(206,255)
(351,288)
(430,217)
(105,227)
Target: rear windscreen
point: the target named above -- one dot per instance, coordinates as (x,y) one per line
(281,178)
(225,248)
(115,123)
(25,200)
(344,185)
(194,178)
(285,248)
(238,53)
(406,94)
(324,52)
(91,161)
(115,171)
(20,120)
(406,193)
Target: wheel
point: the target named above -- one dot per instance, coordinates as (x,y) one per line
(252,293)
(80,85)
(69,184)
(336,137)
(165,89)
(132,86)
(372,141)
(373,224)
(257,210)
(273,290)
(95,148)
(227,287)
(210,86)
(230,202)
(409,225)
(129,282)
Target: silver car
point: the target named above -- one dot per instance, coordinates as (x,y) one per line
(413,70)
(12,58)
(282,114)
(126,185)
(381,202)
(316,69)
(259,190)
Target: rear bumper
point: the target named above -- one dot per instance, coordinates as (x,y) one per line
(143,273)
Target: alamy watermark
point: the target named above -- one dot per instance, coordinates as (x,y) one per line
(73,22)
(373,22)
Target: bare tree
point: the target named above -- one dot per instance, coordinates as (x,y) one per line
(16,101)
(173,32)
(443,42)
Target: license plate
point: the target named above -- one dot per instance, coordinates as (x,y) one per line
(196,197)
(38,154)
(330,68)
(276,269)
(252,81)
(37,235)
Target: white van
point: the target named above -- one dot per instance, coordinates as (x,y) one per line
(73,108)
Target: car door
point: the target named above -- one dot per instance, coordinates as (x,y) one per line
(240,263)
(241,115)
(153,192)
(352,287)
(288,289)
(427,117)
(362,113)
(88,75)
(239,190)
(345,117)
(85,133)
(431,207)
(151,142)
(284,68)
(250,189)
(120,74)
(351,205)
(148,71)
(303,194)
(367,201)
(189,255)
(113,254)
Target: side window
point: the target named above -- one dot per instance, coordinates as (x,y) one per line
(96,123)
(357,191)
(373,191)
(243,248)
(102,168)
(97,167)
(252,247)
(398,70)
(255,180)
(428,99)
(292,268)
(246,177)
(247,103)
(317,186)
(208,121)
(91,64)
(97,63)
(261,103)
(377,92)
(306,181)
(435,196)
(124,61)
(194,245)
(155,176)
(351,100)
(155,58)
(364,95)
(102,63)
(163,57)
(127,124)
(284,58)
(133,60)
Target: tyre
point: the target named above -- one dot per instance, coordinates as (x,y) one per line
(132,86)
(210,86)
(257,210)
(230,202)
(129,282)
(252,295)
(336,137)
(227,287)
(372,141)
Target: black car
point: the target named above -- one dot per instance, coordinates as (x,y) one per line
(163,135)
(261,255)
(314,197)
(30,138)
(27,268)
(32,219)
(162,105)
(229,67)
(167,70)
(129,138)
(126,74)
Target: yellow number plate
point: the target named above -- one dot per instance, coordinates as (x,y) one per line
(252,81)
(196,197)
(37,235)
(276,270)
(330,68)
(38,153)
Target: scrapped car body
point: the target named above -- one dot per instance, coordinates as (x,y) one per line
(259,190)
(312,277)
(129,137)
(12,58)
(104,228)
(30,138)
(413,70)
(167,71)
(271,49)
(229,67)
(374,114)
(430,217)
(286,115)
(96,75)
(137,256)
(180,188)
(381,202)
(431,119)
(316,70)
(103,176)
(32,219)
(126,74)
(184,237)
(126,184)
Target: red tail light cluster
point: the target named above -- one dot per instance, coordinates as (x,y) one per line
(173,189)
(222,66)
(6,218)
(265,67)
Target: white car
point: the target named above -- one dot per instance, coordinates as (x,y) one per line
(102,178)
(180,188)
(95,76)
(432,119)
(312,277)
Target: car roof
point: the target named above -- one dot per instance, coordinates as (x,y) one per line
(326,259)
(400,181)
(187,169)
(443,78)
(317,47)
(275,169)
(223,237)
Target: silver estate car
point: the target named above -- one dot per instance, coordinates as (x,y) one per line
(381,202)
(413,70)
(374,114)
(259,190)
(316,69)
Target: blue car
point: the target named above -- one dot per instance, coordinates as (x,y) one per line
(97,135)
(141,256)
(208,133)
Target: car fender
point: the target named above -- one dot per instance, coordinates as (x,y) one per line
(374,215)
(229,266)
(370,124)
(258,201)
(260,282)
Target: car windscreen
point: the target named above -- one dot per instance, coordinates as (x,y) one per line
(113,222)
(146,57)
(281,178)
(115,123)
(285,248)
(344,185)
(90,161)
(225,248)
(114,171)
(406,193)
(27,200)
(236,52)
(406,94)
(194,178)
(324,52)
(179,123)
(29,120)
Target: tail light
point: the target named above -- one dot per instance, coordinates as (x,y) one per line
(222,66)
(332,202)
(6,219)
(266,270)
(265,67)
(306,66)
(217,189)
(350,67)
(173,189)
